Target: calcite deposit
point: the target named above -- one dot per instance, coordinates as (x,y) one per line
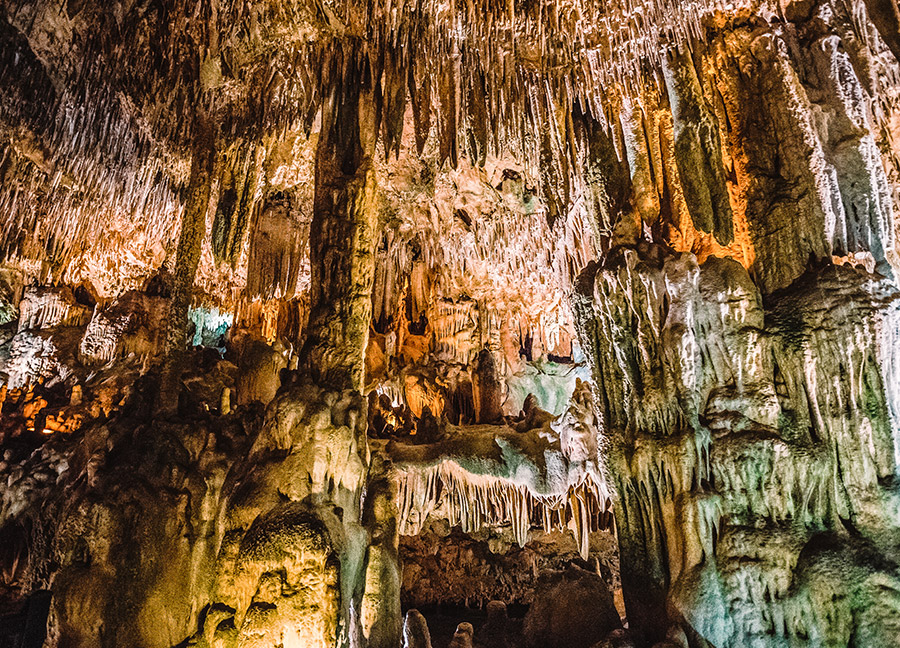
(368,324)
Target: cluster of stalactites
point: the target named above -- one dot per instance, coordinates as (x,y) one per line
(473,501)
(481,76)
(48,308)
(474,277)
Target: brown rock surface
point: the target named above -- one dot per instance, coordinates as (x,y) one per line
(572,608)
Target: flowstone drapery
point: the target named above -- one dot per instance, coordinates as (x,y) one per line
(753,446)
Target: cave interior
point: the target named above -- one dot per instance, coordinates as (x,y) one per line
(449,324)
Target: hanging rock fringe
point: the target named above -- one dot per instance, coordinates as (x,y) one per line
(475,501)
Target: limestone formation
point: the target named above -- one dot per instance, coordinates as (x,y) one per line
(737,437)
(495,630)
(555,323)
(463,636)
(572,608)
(415,631)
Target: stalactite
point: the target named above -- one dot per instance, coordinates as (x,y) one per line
(41,309)
(504,74)
(278,257)
(698,151)
(474,501)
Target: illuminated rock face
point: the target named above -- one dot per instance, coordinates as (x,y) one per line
(750,403)
(753,444)
(491,266)
(248,533)
(485,476)
(292,553)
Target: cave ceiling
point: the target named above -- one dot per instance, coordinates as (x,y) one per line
(490,104)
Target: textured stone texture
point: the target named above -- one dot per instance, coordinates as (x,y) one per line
(444,566)
(753,445)
(400,198)
(342,231)
(573,608)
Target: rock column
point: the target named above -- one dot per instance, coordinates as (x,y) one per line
(187,259)
(342,233)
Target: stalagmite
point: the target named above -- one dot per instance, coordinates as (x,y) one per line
(486,388)
(381,601)
(415,631)
(463,636)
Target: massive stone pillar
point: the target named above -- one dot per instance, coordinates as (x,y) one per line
(342,232)
(187,259)
(309,512)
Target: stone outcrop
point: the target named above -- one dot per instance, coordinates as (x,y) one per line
(242,546)
(571,608)
(131,325)
(491,475)
(752,439)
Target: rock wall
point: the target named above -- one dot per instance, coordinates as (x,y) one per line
(731,169)
(444,566)
(742,342)
(225,531)
(753,445)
